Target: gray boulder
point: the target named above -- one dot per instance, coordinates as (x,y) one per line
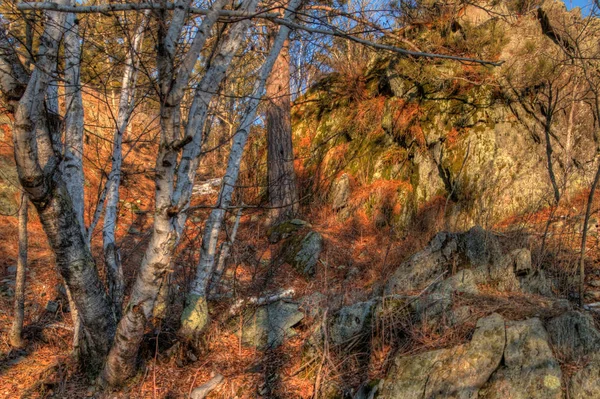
(573,335)
(439,299)
(303,252)
(203,390)
(268,326)
(340,192)
(449,373)
(585,384)
(476,249)
(350,321)
(529,370)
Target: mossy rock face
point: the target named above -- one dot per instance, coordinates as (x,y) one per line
(268,326)
(585,384)
(456,372)
(285,230)
(303,252)
(529,370)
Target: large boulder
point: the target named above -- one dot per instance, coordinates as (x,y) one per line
(585,384)
(350,321)
(439,298)
(340,192)
(574,335)
(477,249)
(529,370)
(303,252)
(266,327)
(449,373)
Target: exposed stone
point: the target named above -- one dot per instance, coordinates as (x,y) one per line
(350,321)
(203,390)
(52,306)
(285,230)
(585,384)
(268,326)
(11,269)
(440,297)
(476,249)
(303,252)
(340,192)
(529,370)
(449,373)
(573,335)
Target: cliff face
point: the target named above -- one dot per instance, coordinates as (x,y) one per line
(479,143)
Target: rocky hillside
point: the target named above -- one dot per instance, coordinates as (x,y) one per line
(409,134)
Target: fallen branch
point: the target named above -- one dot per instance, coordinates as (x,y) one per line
(259,301)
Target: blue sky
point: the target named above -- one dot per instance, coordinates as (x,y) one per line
(578,3)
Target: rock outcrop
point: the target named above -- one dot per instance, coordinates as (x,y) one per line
(477,250)
(529,369)
(303,251)
(449,373)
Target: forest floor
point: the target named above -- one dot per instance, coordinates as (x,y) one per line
(357,258)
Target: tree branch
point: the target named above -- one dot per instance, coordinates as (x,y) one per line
(274,17)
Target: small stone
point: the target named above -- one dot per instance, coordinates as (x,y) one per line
(134,231)
(12,269)
(52,306)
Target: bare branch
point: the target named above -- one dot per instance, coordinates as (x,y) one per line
(274,17)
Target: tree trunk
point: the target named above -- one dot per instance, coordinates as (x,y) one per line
(283,195)
(16,339)
(72,162)
(120,364)
(40,175)
(588,211)
(114,270)
(194,318)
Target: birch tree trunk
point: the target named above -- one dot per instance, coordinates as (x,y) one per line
(114,270)
(16,331)
(72,162)
(194,318)
(283,195)
(157,259)
(40,175)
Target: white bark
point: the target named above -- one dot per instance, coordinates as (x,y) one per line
(16,339)
(157,258)
(116,284)
(72,164)
(224,253)
(39,174)
(195,315)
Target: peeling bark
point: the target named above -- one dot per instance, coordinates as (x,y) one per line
(194,318)
(157,258)
(15,337)
(72,163)
(39,174)
(114,270)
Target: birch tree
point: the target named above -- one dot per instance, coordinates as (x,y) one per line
(172,195)
(115,280)
(39,170)
(194,318)
(16,331)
